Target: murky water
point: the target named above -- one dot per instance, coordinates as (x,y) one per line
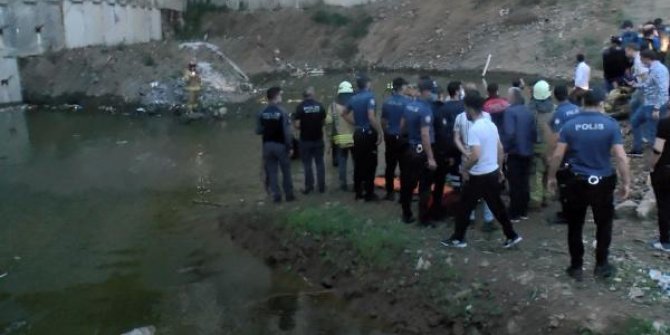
(99,233)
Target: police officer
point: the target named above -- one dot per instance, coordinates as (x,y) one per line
(447,153)
(309,119)
(392,111)
(274,126)
(590,138)
(360,112)
(565,111)
(419,161)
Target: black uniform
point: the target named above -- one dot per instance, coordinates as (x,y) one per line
(447,155)
(589,137)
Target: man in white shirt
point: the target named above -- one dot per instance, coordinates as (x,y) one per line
(481,175)
(582,79)
(582,73)
(461,128)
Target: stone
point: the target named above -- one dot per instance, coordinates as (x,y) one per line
(635,293)
(647,208)
(626,209)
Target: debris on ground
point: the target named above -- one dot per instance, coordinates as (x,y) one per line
(148,330)
(662,279)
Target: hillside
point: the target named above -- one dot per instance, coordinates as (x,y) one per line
(525,36)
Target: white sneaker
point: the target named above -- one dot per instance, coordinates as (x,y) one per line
(452,243)
(661,246)
(512,242)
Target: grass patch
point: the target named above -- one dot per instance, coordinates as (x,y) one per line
(378,244)
(193,15)
(635,326)
(330,18)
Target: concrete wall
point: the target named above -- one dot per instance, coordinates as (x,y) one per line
(10,81)
(97,22)
(31,27)
(271,4)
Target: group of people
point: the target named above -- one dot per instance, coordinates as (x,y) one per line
(481,146)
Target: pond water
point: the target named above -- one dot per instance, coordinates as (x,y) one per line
(99,233)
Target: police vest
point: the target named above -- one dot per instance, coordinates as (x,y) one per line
(272,120)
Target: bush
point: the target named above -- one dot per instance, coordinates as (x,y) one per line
(328,18)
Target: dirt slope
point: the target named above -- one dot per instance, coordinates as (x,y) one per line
(528,36)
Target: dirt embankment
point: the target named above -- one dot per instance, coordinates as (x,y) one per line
(526,36)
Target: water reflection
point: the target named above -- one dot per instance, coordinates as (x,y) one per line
(14,137)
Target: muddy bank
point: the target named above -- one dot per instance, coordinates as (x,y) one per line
(397,295)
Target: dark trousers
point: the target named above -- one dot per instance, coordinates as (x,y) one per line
(415,171)
(580,196)
(275,156)
(445,165)
(518,175)
(485,187)
(365,162)
(311,153)
(660,180)
(393,156)
(562,178)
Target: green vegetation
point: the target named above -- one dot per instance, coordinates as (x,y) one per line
(148,60)
(329,18)
(379,244)
(193,15)
(635,326)
(360,26)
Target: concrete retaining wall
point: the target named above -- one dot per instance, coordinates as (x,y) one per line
(96,22)
(10,81)
(31,27)
(272,4)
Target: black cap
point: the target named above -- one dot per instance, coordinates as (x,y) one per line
(362,80)
(426,85)
(594,96)
(398,83)
(627,24)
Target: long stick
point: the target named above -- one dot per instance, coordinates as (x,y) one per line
(486,67)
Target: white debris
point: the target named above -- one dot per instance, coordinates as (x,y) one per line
(149,330)
(422,264)
(662,279)
(218,52)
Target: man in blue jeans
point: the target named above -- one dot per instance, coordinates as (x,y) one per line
(655,89)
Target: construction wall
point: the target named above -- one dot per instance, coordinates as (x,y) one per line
(31,27)
(95,22)
(10,81)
